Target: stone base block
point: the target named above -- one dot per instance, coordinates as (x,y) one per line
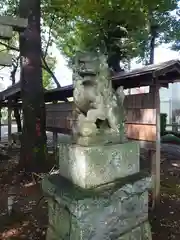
(95,165)
(104,213)
(142,232)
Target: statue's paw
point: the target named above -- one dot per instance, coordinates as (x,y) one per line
(94,114)
(87,129)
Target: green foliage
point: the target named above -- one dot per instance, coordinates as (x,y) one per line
(112,26)
(119,28)
(101,25)
(163,122)
(170,138)
(4,115)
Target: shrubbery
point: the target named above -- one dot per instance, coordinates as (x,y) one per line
(163,122)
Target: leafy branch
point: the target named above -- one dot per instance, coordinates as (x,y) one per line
(49,35)
(46,67)
(15,64)
(9,47)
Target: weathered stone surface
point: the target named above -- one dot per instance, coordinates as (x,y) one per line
(101,213)
(99,138)
(6,32)
(59,219)
(15,22)
(95,165)
(99,109)
(5,59)
(142,232)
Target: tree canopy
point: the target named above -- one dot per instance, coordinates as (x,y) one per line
(122,29)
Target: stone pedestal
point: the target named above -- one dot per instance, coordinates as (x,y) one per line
(99,194)
(118,210)
(96,165)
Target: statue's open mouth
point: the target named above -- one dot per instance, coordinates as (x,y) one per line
(87,72)
(89,83)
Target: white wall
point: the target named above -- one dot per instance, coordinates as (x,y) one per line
(170,99)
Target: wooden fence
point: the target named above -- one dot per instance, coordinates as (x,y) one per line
(140,117)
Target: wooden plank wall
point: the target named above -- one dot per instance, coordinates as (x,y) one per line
(142,124)
(140,117)
(59,117)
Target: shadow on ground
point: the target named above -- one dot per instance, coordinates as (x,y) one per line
(29,219)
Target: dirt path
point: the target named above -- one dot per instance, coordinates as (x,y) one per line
(29,220)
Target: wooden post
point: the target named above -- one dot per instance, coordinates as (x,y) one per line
(9,121)
(0,123)
(156,156)
(55,138)
(175,127)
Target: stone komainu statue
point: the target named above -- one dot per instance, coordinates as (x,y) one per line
(99,109)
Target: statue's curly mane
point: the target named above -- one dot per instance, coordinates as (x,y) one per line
(95,98)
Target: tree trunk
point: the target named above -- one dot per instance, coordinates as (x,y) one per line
(16,110)
(33,147)
(18,119)
(153,32)
(9,120)
(152,48)
(114,63)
